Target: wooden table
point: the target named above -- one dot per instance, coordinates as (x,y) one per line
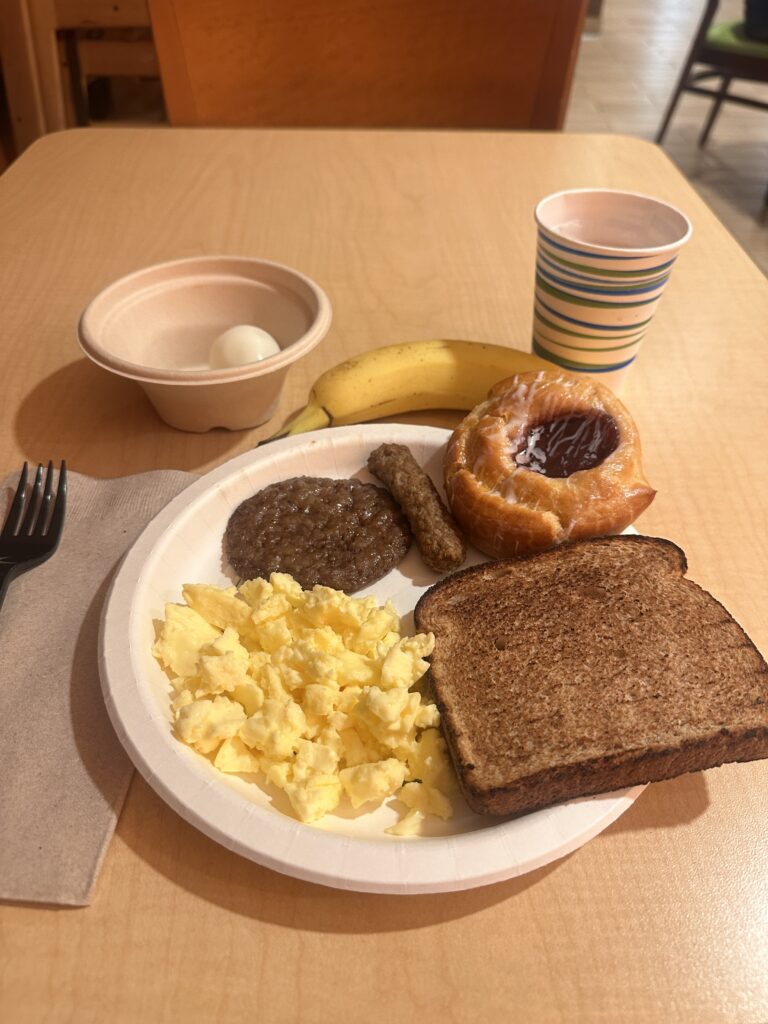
(663,917)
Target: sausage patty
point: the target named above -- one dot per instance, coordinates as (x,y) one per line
(341,533)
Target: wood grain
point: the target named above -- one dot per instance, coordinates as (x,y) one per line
(661,918)
(393,63)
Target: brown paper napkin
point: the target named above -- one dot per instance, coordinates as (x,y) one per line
(64,772)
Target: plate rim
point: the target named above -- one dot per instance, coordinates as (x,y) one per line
(122,696)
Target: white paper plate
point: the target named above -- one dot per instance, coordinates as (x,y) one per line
(348,850)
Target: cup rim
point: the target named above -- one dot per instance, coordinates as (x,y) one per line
(632,251)
(161,375)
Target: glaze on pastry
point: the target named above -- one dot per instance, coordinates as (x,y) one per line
(548,457)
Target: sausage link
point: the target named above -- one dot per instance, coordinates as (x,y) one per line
(441,544)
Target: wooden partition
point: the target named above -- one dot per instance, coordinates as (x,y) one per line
(382,63)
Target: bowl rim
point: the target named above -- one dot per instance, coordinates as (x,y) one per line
(102,357)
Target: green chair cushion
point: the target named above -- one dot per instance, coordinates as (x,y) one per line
(729,35)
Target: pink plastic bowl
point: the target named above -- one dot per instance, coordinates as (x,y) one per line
(156,326)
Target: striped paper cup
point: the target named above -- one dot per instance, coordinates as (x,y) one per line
(603,260)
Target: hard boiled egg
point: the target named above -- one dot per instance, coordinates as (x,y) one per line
(240,345)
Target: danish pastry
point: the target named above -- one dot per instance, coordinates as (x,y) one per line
(548,457)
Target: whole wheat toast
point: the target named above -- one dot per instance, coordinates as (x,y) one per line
(588,668)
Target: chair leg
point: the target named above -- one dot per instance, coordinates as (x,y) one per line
(681,82)
(715,109)
(707,18)
(79,97)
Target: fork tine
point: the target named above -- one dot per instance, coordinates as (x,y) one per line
(34,503)
(59,506)
(38,530)
(13,518)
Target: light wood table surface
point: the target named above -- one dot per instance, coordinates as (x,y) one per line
(663,917)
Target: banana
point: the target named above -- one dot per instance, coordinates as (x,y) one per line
(434,374)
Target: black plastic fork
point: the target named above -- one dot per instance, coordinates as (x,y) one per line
(32,528)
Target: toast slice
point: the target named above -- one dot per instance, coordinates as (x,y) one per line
(588,668)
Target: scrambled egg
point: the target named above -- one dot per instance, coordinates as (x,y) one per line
(309,689)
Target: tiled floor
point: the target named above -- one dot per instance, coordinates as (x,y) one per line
(624,77)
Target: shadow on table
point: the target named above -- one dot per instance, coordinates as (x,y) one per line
(98,420)
(665,804)
(188,859)
(196,864)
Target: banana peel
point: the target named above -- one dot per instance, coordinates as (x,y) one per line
(434,374)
